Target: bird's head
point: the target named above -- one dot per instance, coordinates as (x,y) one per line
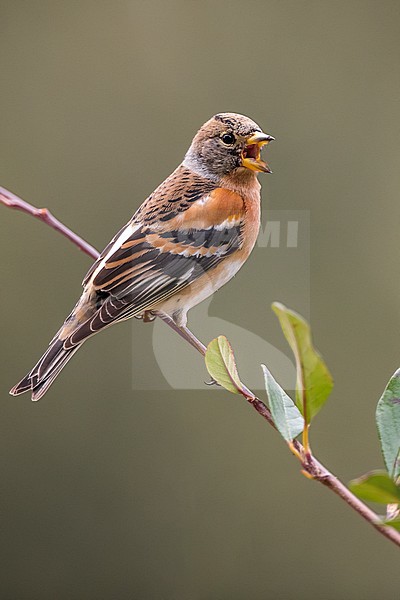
(228,143)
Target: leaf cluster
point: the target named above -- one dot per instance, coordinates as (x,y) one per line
(313,386)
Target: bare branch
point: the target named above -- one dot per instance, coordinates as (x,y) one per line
(43,214)
(310,465)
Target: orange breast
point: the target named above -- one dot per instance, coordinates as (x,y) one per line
(213,209)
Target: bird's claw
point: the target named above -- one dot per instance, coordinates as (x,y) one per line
(212,382)
(147,316)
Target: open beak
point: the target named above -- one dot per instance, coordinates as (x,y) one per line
(252,150)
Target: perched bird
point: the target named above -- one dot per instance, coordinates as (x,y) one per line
(186,240)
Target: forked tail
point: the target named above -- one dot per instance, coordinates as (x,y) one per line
(46,370)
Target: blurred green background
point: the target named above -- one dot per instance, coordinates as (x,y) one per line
(111,492)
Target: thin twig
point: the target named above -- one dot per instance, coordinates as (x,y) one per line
(184,332)
(310,465)
(319,472)
(43,214)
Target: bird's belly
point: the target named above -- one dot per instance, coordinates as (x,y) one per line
(178,305)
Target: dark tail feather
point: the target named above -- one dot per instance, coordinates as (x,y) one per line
(46,370)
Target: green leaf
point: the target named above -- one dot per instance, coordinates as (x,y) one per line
(393,523)
(314,382)
(220,363)
(376,486)
(388,423)
(286,415)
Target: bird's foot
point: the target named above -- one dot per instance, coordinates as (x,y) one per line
(212,382)
(148,316)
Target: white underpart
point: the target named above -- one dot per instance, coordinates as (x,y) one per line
(214,283)
(210,284)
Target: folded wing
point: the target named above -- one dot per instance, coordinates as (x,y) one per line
(148,263)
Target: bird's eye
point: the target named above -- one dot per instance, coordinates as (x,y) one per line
(228,139)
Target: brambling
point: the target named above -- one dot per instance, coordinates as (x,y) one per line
(186,240)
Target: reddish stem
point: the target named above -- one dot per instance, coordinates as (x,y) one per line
(317,471)
(309,464)
(43,214)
